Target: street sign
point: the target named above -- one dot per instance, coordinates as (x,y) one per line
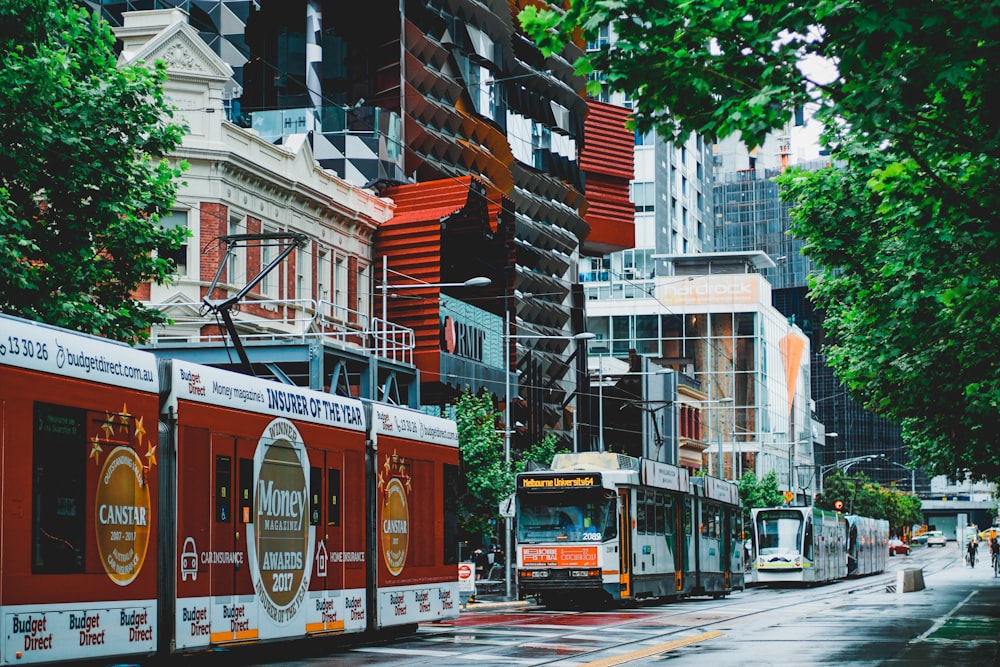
(466,578)
(507,507)
(789,496)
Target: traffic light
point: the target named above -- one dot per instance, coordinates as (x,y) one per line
(838,505)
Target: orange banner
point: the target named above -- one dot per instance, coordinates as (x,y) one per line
(560,556)
(792,347)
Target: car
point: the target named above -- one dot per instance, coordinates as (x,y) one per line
(936,538)
(897,547)
(919,539)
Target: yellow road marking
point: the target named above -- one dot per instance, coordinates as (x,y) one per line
(653,650)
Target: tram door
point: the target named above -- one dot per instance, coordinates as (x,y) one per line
(625,545)
(325,516)
(232,510)
(680,540)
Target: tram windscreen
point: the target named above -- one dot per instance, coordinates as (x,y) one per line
(572,516)
(779,532)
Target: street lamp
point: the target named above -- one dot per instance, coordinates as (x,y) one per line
(507,431)
(913,473)
(845,465)
(478,281)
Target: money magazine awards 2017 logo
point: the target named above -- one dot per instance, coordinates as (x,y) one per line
(394,488)
(280,535)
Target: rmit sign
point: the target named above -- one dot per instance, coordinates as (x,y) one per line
(462,339)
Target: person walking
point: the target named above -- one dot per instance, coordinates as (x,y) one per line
(971,548)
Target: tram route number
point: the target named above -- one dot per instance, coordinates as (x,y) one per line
(24,347)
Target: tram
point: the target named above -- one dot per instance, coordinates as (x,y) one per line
(809,545)
(156,507)
(600,527)
(867,545)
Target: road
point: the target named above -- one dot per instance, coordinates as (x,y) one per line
(955,620)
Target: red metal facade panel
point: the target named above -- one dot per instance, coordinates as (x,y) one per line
(608,162)
(611,217)
(609,146)
(411,241)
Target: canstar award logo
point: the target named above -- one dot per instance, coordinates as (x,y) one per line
(123,513)
(280,536)
(394,486)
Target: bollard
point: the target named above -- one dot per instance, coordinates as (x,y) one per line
(909,580)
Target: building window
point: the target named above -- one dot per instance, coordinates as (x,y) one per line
(179,256)
(643,196)
(237,261)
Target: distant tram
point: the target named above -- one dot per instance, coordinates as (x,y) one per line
(809,545)
(601,527)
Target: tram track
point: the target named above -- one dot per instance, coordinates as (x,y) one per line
(689,621)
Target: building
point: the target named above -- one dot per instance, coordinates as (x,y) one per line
(751,217)
(308,320)
(430,92)
(711,318)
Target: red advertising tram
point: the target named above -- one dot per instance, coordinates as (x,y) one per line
(261,511)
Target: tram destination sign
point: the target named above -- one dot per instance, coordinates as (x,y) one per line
(553,482)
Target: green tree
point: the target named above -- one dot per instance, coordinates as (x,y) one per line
(82,179)
(907,231)
(489,479)
(857,494)
(763,492)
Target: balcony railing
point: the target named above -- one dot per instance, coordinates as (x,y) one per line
(289,320)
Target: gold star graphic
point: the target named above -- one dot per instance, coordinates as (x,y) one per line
(151,454)
(139,430)
(108,425)
(95,450)
(123,417)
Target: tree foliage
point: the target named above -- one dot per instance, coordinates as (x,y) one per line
(860,495)
(82,179)
(489,479)
(905,226)
(763,492)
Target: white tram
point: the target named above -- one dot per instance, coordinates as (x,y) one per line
(867,545)
(607,527)
(808,545)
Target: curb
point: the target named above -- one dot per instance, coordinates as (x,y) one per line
(486,606)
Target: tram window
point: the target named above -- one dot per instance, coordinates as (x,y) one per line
(59,451)
(451,482)
(246,490)
(223,479)
(657,515)
(688,517)
(420,551)
(333,497)
(640,512)
(668,516)
(807,547)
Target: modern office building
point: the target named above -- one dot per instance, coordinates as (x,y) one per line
(709,318)
(432,92)
(750,216)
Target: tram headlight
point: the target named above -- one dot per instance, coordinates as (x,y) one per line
(534,574)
